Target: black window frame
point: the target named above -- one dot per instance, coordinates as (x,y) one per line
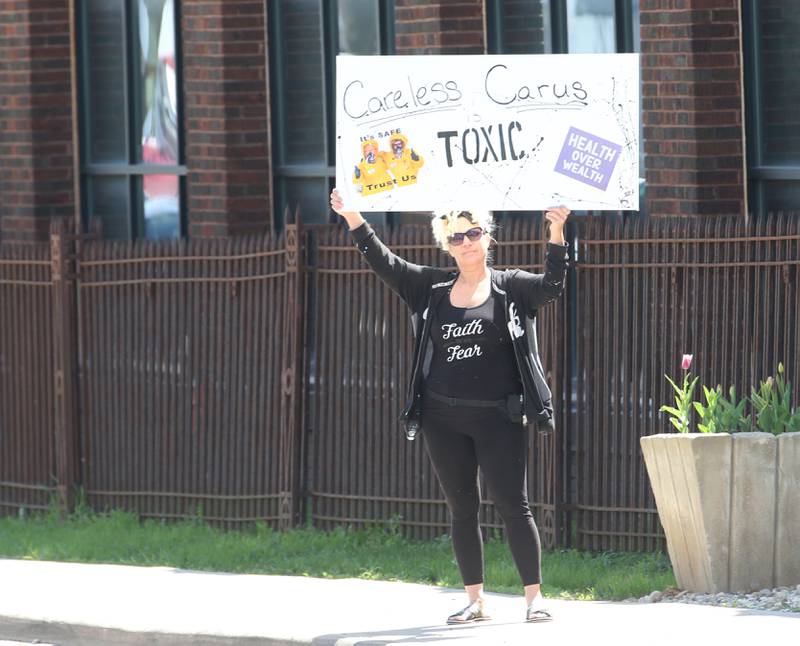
(759,175)
(623,26)
(133,171)
(329,34)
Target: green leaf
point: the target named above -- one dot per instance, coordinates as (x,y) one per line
(674,385)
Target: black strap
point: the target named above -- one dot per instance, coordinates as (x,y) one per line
(454,401)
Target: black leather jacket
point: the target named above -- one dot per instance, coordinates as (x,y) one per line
(422,287)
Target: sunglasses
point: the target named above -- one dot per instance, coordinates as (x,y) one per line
(473,234)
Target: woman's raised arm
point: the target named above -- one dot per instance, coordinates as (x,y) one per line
(353,218)
(537,290)
(406,279)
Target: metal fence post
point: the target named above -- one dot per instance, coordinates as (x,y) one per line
(292,378)
(62,250)
(550,446)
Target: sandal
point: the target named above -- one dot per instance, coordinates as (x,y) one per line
(536,613)
(473,612)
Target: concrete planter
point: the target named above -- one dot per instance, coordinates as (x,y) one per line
(730,507)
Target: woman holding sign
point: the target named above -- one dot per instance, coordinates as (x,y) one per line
(476,378)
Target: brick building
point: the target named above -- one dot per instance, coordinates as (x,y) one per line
(206,118)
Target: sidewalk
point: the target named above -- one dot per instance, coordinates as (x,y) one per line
(159,604)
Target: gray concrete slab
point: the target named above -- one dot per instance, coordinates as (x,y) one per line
(681,466)
(787,556)
(151,603)
(753,511)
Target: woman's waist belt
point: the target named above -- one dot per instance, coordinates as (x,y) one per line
(455,401)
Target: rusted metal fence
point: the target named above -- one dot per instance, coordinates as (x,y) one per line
(359,469)
(260,378)
(159,376)
(27,447)
(644,294)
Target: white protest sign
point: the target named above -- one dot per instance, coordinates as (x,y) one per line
(423,133)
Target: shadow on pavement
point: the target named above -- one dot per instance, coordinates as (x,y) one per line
(421,634)
(45,633)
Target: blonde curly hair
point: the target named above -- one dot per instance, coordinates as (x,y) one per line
(443,224)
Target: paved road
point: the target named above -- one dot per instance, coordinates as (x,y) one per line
(23,632)
(72,604)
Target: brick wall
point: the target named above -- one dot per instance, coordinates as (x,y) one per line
(36,148)
(692,105)
(690,81)
(226,117)
(446,27)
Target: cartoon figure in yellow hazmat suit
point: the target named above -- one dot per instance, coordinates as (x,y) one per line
(371,172)
(403,162)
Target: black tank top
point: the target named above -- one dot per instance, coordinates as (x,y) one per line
(472,353)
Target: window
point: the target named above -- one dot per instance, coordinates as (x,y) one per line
(772,73)
(567,26)
(132,169)
(304,38)
(562,26)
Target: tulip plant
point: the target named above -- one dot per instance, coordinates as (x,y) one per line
(720,414)
(771,403)
(682,410)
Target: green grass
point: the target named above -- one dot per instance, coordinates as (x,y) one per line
(374,553)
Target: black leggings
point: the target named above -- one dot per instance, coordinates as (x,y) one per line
(458,440)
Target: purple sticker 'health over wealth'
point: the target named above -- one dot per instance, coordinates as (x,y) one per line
(588,159)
